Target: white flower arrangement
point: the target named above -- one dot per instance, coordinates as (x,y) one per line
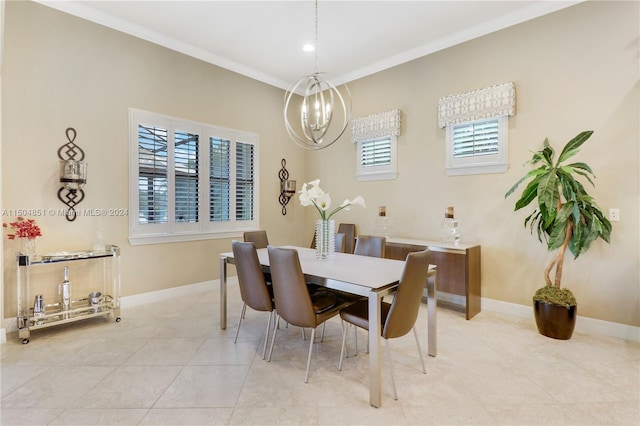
(321,200)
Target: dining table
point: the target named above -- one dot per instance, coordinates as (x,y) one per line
(371,277)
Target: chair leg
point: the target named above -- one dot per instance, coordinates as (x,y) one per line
(313,337)
(355,336)
(273,339)
(345,328)
(415,333)
(266,335)
(324,324)
(393,381)
(304,336)
(244,308)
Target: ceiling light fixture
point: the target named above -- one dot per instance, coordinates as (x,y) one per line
(316,113)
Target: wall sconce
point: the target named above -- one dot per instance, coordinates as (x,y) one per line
(73,174)
(287,187)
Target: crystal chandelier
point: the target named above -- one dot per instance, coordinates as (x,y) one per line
(316,113)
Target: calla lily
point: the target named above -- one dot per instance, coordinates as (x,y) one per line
(316,197)
(358,201)
(324,202)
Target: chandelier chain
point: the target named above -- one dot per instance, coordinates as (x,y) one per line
(315,68)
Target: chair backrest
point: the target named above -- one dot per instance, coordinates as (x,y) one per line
(293,302)
(341,244)
(349,231)
(368,245)
(259,238)
(406,302)
(253,287)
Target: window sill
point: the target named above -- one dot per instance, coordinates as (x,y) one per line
(476,169)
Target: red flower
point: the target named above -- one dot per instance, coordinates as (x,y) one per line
(23,229)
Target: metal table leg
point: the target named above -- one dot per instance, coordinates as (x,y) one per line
(432,303)
(223,292)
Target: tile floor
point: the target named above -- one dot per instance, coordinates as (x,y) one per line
(170,364)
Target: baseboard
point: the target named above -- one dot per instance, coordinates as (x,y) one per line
(583,324)
(167,294)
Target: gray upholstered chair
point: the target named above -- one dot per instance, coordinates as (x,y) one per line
(341,243)
(399,316)
(253,287)
(349,231)
(368,245)
(293,302)
(259,238)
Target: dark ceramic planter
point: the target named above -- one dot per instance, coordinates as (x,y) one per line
(555,321)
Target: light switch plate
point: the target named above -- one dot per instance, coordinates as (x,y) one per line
(614,215)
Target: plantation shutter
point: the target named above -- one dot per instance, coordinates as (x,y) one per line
(219,179)
(245,183)
(186,166)
(476,138)
(152,174)
(375,152)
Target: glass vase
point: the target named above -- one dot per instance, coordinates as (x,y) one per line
(325,238)
(28,246)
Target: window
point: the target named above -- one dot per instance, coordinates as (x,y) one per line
(476,129)
(189,180)
(377,159)
(477,147)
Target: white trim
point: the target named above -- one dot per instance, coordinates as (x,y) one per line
(167,294)
(479,164)
(583,325)
(384,172)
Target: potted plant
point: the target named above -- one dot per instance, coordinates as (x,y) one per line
(565,216)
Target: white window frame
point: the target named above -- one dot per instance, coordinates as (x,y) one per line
(382,172)
(479,164)
(172,231)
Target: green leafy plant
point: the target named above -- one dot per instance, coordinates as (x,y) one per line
(565,216)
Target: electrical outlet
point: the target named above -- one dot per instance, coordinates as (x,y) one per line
(614,215)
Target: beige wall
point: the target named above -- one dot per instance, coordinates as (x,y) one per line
(576,69)
(61,71)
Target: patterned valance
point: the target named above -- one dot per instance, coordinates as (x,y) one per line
(494,101)
(376,126)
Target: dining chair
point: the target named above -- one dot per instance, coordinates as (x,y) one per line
(399,316)
(349,231)
(253,287)
(293,301)
(341,243)
(369,245)
(259,238)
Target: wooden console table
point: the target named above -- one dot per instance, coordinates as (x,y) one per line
(458,267)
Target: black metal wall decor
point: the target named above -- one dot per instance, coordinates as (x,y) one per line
(287,187)
(73,174)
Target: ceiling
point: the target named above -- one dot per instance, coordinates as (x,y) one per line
(263,39)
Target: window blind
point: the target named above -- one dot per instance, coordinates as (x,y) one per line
(244,181)
(219,179)
(375,152)
(152,174)
(186,166)
(477,138)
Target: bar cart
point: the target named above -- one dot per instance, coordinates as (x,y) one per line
(34,313)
